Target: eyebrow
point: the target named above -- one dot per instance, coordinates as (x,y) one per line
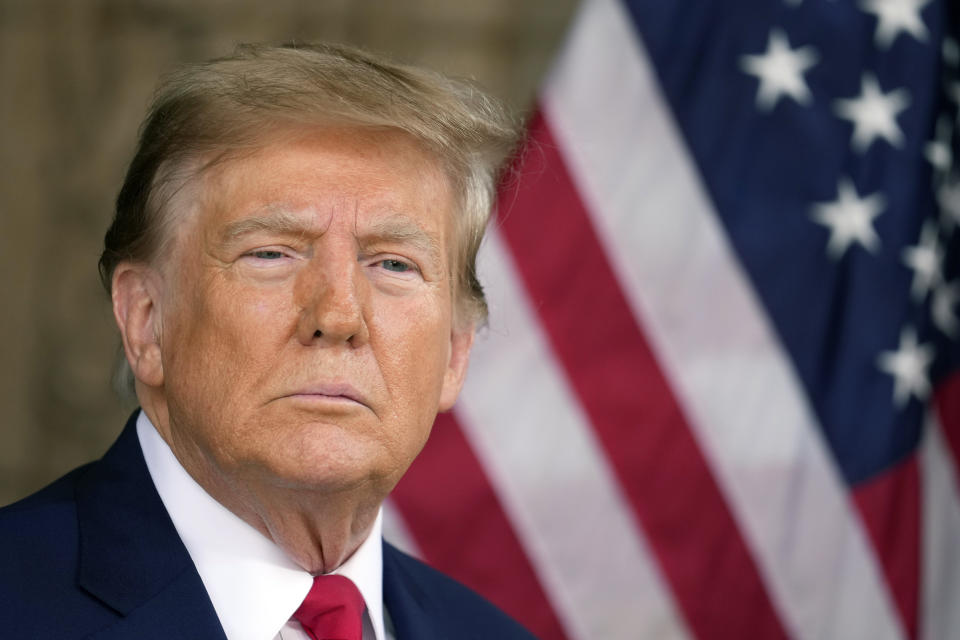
(393,228)
(401,229)
(280,221)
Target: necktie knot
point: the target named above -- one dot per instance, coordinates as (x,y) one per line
(333,610)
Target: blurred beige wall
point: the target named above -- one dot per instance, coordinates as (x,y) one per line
(75,78)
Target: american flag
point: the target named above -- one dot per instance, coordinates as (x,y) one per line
(719,394)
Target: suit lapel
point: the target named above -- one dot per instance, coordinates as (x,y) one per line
(404,600)
(131,557)
(409,606)
(181,610)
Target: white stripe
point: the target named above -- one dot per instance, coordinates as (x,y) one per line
(711,335)
(540,454)
(940,615)
(395,530)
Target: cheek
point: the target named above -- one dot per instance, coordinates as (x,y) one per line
(225,336)
(414,347)
(222,347)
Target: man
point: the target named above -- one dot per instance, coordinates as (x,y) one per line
(292,270)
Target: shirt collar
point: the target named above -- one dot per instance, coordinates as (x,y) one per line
(254,587)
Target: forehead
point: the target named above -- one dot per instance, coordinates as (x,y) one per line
(322,175)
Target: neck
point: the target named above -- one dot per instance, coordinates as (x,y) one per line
(318,530)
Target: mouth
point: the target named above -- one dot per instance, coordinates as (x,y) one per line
(336,393)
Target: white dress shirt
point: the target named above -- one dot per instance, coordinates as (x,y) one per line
(254,587)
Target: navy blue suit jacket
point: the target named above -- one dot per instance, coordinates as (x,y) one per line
(95,555)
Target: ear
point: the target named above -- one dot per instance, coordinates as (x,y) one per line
(136,308)
(461,341)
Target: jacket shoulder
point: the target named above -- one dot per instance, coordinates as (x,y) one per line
(461,611)
(40,538)
(45,518)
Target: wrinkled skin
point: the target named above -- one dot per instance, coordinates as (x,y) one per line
(295,343)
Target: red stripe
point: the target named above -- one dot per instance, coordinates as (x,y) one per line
(889,505)
(620,385)
(948,410)
(460,527)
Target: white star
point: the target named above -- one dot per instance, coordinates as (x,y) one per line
(909,366)
(948,197)
(850,219)
(945,298)
(939,154)
(873,114)
(894,16)
(925,259)
(780,71)
(938,151)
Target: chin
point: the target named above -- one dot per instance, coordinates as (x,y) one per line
(330,465)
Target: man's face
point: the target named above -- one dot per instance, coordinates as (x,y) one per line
(307,335)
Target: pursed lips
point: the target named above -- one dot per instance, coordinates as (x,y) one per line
(330,391)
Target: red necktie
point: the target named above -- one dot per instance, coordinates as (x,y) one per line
(333,610)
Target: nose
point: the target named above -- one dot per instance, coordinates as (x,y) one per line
(333,300)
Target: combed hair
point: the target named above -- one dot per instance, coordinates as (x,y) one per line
(203,113)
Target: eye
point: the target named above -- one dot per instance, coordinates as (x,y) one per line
(267,254)
(397,266)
